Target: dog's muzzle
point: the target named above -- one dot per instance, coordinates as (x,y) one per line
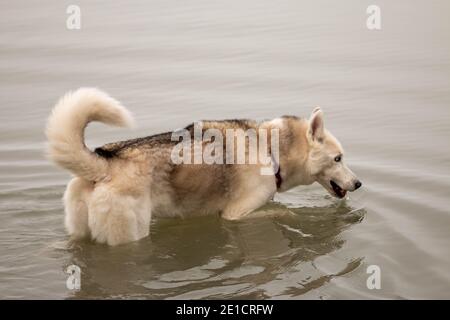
(338,191)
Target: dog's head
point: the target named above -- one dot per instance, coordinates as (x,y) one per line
(326,159)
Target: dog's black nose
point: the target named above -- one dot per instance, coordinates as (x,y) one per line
(358,184)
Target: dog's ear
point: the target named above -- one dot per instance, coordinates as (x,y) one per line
(316,128)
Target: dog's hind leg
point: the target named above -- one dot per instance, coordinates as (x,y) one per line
(117,219)
(76,208)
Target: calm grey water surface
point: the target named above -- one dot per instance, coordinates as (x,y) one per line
(385,94)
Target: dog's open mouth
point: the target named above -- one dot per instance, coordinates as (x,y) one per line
(338,191)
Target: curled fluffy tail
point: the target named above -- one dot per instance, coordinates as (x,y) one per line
(65,130)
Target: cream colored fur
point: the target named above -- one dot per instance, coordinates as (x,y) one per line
(111,200)
(65,130)
(94,208)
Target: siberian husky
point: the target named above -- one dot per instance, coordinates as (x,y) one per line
(118,187)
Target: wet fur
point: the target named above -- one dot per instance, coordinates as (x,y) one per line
(120,186)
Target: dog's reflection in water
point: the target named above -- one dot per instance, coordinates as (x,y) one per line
(207,257)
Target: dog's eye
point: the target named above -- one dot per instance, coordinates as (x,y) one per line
(337,159)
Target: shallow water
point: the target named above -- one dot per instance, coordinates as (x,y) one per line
(385,94)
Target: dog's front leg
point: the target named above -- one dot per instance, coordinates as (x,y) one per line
(248,202)
(254,191)
(236,213)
